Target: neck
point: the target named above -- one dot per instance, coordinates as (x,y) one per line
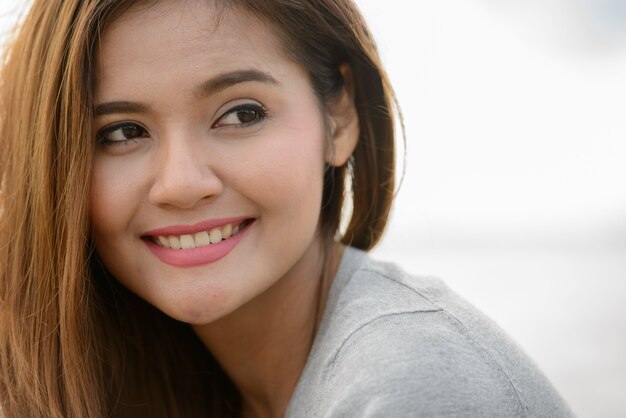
(264,345)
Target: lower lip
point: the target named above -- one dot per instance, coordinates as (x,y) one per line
(197,256)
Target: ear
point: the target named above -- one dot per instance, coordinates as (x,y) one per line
(344,121)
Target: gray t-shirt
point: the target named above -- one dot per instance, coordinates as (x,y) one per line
(394,345)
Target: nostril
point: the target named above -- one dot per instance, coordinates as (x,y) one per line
(185,188)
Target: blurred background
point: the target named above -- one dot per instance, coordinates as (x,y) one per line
(515,173)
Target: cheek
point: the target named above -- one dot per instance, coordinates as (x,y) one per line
(293,194)
(289,171)
(115,193)
(293,152)
(101,201)
(115,196)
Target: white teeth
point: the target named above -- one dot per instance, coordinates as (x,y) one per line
(187,242)
(227,232)
(174,242)
(164,241)
(215,235)
(200,239)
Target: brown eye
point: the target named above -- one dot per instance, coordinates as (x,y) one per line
(247,115)
(242,116)
(120,134)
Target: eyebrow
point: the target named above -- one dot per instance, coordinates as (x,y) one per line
(207,88)
(119,107)
(223,81)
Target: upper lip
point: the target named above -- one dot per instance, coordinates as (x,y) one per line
(206,225)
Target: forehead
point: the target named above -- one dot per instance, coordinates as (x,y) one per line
(192,36)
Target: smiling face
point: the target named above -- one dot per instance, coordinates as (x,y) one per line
(207,177)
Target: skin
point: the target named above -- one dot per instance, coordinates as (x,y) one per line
(191,160)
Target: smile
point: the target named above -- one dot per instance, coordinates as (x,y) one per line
(200,244)
(200,239)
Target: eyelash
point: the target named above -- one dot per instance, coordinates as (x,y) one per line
(102,135)
(259,111)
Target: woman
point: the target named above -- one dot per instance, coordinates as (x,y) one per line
(172,193)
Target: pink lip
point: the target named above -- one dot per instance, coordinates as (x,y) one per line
(192,229)
(196,256)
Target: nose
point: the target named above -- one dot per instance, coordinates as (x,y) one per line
(184,176)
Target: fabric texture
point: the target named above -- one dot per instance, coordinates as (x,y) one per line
(394,345)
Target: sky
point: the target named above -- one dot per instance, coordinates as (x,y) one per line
(514,189)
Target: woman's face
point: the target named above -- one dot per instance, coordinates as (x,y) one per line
(208,137)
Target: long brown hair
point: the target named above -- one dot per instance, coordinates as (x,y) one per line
(73,341)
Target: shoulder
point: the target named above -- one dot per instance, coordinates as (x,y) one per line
(418,364)
(402,346)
